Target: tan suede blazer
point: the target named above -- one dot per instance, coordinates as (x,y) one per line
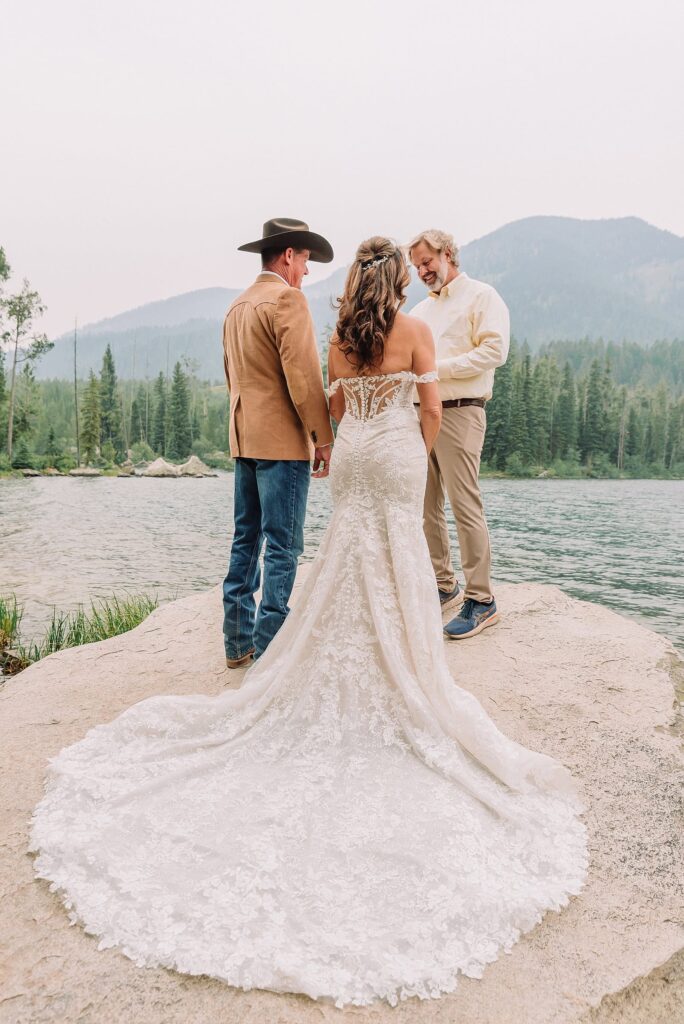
(278,408)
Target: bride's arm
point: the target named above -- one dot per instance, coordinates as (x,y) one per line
(425,361)
(336,401)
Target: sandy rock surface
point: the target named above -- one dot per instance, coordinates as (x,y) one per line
(568,678)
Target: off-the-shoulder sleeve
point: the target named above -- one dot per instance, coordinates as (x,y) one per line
(427,378)
(334,387)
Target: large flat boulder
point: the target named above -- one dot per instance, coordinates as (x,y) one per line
(568,678)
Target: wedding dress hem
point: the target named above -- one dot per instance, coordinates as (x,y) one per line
(429,987)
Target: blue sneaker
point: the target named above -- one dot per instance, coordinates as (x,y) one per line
(473,617)
(450,598)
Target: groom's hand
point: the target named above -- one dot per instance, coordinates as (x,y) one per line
(321,464)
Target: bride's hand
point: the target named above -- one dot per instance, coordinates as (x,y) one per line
(321,465)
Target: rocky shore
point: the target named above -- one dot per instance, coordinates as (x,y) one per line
(572,679)
(193,467)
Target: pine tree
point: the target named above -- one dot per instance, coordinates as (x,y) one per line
(158,440)
(138,431)
(167,417)
(22,457)
(594,419)
(27,401)
(622,428)
(179,436)
(90,436)
(541,402)
(564,434)
(52,448)
(520,412)
(111,428)
(657,440)
(581,416)
(195,427)
(611,415)
(675,436)
(634,433)
(497,438)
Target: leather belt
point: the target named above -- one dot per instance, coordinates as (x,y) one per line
(456,403)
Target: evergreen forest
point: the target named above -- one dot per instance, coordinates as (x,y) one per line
(588,409)
(572,409)
(173,417)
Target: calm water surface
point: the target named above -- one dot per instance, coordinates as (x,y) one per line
(64,541)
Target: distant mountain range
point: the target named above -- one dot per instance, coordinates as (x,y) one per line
(619,279)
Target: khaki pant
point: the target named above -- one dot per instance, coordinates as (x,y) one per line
(453,466)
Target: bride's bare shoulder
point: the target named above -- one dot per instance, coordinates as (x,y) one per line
(412,331)
(410,324)
(339,364)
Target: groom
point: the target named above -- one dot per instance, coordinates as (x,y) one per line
(278,420)
(470,324)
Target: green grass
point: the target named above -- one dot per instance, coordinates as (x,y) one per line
(105,619)
(10,620)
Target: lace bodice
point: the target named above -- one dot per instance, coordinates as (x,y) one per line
(367,396)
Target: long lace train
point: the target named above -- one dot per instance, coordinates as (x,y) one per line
(350,824)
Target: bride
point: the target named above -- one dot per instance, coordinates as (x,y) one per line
(349,824)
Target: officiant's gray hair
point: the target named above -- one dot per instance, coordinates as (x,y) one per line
(440,241)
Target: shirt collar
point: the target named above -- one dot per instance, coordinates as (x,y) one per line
(448,289)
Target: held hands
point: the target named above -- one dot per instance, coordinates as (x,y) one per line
(321,464)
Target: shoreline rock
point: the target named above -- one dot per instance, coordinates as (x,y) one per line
(161,468)
(572,679)
(195,467)
(85,471)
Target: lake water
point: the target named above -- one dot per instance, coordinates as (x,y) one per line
(64,541)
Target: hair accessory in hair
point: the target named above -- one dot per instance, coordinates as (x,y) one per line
(375,261)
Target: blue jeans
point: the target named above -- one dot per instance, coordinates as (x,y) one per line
(270,506)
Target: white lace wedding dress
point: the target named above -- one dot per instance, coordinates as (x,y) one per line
(349,824)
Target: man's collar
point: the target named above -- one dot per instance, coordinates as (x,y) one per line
(272,273)
(448,289)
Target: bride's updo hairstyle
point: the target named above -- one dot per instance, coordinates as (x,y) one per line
(373,293)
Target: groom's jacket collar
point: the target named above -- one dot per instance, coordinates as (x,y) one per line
(270,277)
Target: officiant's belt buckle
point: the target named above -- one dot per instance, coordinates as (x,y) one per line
(456,403)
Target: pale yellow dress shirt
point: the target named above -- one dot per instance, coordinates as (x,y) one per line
(470,324)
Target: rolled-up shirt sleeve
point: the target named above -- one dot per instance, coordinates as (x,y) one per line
(490,337)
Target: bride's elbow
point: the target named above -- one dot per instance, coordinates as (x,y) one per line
(431,413)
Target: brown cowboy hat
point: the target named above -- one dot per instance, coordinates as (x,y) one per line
(282,232)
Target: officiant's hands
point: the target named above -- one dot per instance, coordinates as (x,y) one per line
(321,464)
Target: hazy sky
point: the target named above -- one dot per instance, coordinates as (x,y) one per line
(143,142)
